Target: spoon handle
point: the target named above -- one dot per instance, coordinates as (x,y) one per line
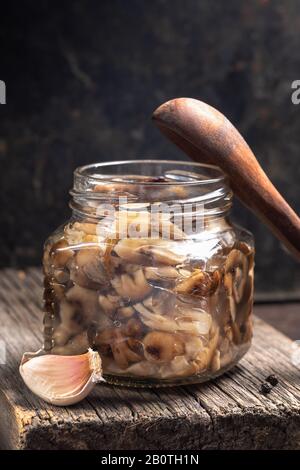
(207,136)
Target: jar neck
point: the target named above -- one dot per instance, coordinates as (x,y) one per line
(165,187)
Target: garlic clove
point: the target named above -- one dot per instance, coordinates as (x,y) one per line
(62,380)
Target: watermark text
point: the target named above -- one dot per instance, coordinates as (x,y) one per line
(2,92)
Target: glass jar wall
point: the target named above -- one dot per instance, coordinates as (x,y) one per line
(151,273)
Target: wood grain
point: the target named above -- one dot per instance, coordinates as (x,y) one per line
(207,136)
(228,413)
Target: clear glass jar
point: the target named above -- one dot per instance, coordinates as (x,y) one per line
(150,272)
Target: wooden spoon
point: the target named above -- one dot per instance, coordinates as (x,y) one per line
(207,136)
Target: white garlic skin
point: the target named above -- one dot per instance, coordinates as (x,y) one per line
(62,380)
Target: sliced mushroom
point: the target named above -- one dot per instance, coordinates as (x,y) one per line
(237,337)
(119,351)
(62,335)
(131,268)
(226,358)
(198,315)
(225,345)
(243,247)
(133,327)
(125,312)
(201,362)
(178,367)
(247,330)
(228,333)
(86,227)
(232,307)
(127,249)
(79,344)
(162,347)
(162,255)
(204,358)
(105,336)
(200,284)
(245,307)
(242,333)
(74,237)
(164,323)
(193,346)
(236,272)
(222,306)
(216,361)
(132,287)
(87,299)
(123,355)
(109,303)
(162,273)
(136,346)
(69,326)
(161,302)
(87,268)
(79,232)
(145,251)
(92,240)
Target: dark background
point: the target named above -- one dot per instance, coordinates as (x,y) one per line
(83,78)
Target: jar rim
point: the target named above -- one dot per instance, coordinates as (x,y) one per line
(90,172)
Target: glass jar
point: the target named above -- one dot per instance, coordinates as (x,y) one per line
(151,273)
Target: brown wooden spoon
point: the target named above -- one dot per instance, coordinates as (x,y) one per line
(207,136)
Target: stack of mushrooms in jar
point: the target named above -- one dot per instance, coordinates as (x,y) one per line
(160,304)
(149,282)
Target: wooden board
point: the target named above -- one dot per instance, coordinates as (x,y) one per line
(227,413)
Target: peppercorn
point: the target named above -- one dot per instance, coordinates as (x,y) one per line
(265,388)
(272,379)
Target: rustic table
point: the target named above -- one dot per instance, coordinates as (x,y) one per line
(227,413)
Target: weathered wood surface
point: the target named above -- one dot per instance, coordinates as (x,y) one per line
(227,413)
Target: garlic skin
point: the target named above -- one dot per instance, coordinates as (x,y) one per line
(62,380)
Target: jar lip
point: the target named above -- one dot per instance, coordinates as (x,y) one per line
(86,171)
